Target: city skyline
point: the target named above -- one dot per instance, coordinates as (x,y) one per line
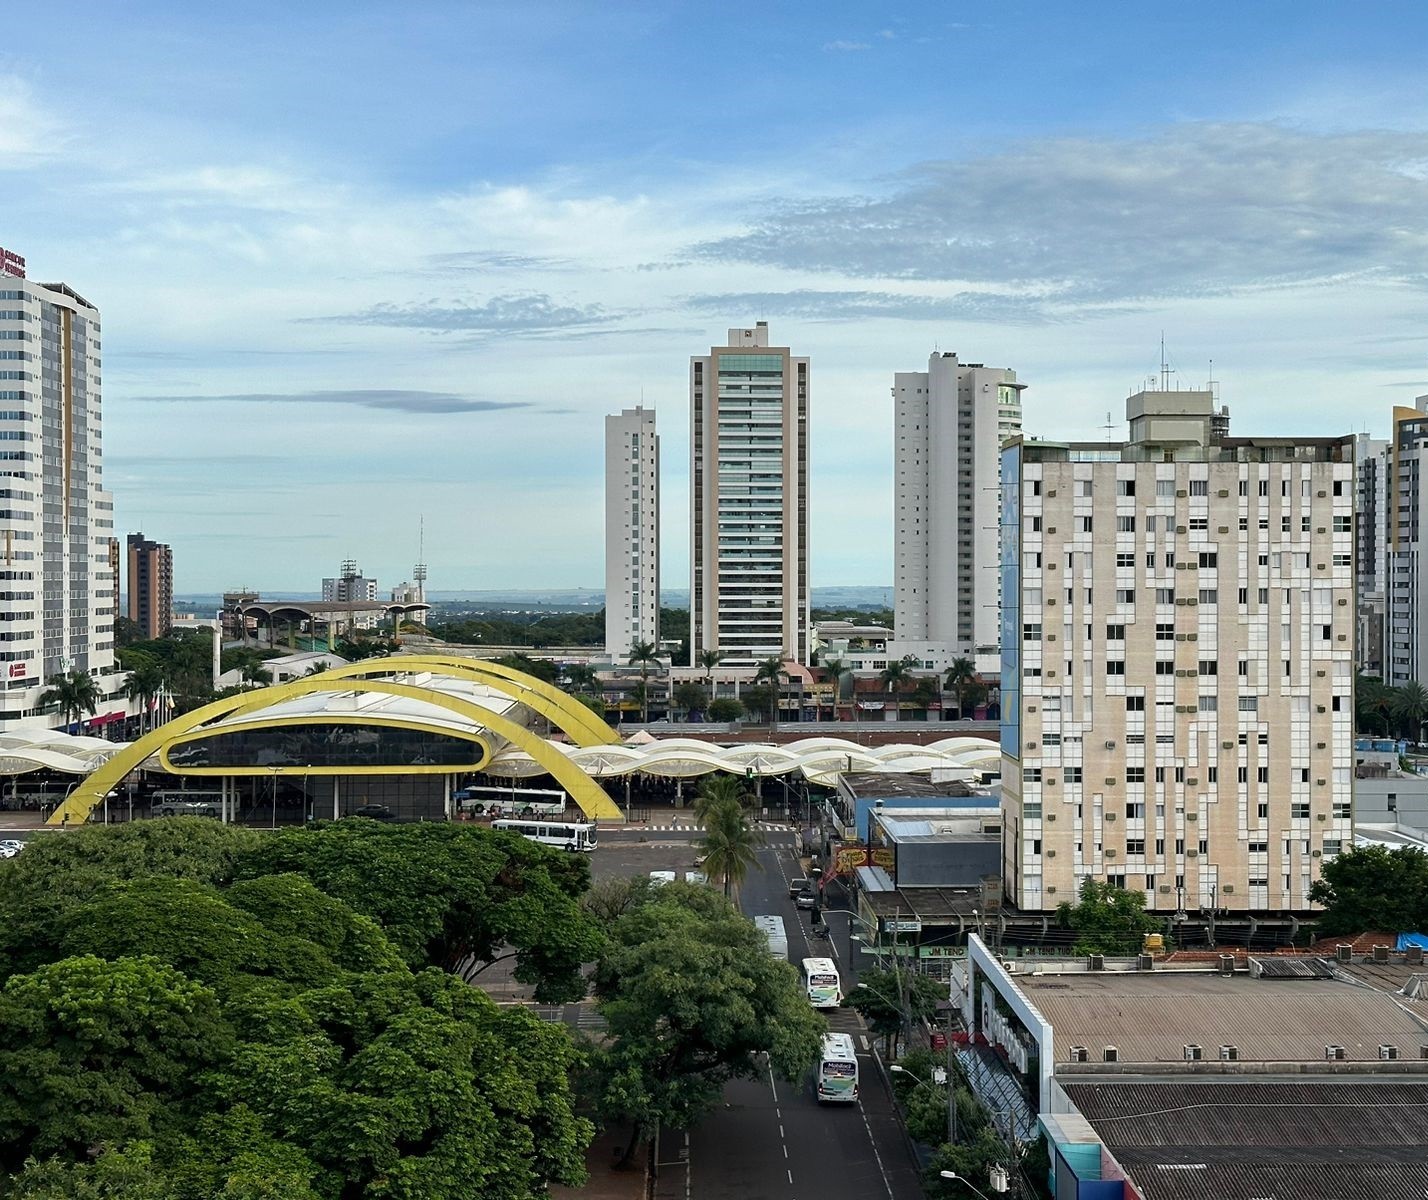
(484,229)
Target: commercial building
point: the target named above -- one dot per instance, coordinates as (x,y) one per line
(151,586)
(58,585)
(354,589)
(749,593)
(949,423)
(1177,662)
(1372,465)
(631,531)
(1405,523)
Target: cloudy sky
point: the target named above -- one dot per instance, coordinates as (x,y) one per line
(361,262)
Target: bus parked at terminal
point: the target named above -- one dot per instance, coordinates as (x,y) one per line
(564,835)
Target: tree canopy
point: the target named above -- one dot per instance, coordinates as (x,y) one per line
(1371,889)
(1108,919)
(693,998)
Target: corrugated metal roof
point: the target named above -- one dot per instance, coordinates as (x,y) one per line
(1287,967)
(874,879)
(1151,1017)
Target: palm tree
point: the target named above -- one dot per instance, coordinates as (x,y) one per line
(896,677)
(1409,706)
(958,677)
(771,672)
(74,694)
(582,678)
(716,791)
(144,684)
(838,671)
(709,659)
(641,655)
(256,675)
(730,847)
(1371,704)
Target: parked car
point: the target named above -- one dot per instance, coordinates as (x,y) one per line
(373,812)
(807,898)
(795,886)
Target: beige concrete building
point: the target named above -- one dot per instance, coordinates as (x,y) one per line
(631,531)
(1177,661)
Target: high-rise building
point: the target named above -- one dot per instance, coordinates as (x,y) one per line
(749,595)
(352,587)
(1373,467)
(631,531)
(151,586)
(1177,662)
(949,425)
(58,588)
(1403,519)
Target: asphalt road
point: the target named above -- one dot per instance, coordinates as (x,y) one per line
(772,1140)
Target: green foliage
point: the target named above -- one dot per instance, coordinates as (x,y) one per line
(719,790)
(536,629)
(456,897)
(690,698)
(691,995)
(758,701)
(972,1158)
(1409,707)
(886,998)
(730,847)
(726,708)
(542,668)
(74,695)
(1371,888)
(115,1175)
(924,1101)
(1108,920)
(183,659)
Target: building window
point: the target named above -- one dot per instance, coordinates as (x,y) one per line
(1209,559)
(1115,633)
(1135,704)
(1115,666)
(1125,487)
(1125,524)
(1199,487)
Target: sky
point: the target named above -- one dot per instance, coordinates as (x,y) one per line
(368,267)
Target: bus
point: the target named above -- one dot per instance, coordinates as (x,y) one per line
(511,802)
(772,929)
(177,803)
(838,1070)
(567,835)
(820,978)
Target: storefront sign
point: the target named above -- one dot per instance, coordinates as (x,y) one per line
(11,264)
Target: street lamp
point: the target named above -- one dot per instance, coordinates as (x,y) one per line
(964,1180)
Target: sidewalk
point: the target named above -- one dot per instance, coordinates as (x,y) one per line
(606,1183)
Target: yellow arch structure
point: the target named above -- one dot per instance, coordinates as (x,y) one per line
(577,721)
(589,795)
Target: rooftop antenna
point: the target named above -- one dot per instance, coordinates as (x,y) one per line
(419,571)
(1110,428)
(1164,366)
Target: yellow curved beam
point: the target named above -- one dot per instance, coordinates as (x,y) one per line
(588,794)
(574,719)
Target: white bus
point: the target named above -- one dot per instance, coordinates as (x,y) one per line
(567,835)
(772,929)
(511,802)
(820,979)
(838,1070)
(186,804)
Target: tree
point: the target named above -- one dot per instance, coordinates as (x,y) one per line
(972,1160)
(74,694)
(896,676)
(924,692)
(1369,889)
(690,698)
(581,678)
(709,659)
(542,668)
(1108,919)
(255,675)
(642,654)
(889,1000)
(458,897)
(145,684)
(693,998)
(838,672)
(730,847)
(726,708)
(1371,705)
(719,790)
(771,672)
(1409,706)
(758,700)
(958,680)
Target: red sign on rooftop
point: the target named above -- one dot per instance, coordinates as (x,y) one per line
(12,263)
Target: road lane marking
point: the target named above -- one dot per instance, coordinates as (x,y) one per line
(785,1149)
(877,1157)
(781,1132)
(790,1179)
(863,1037)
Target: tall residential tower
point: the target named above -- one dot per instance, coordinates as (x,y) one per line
(57,598)
(949,425)
(631,531)
(1177,662)
(151,586)
(749,595)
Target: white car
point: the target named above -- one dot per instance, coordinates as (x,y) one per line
(11,844)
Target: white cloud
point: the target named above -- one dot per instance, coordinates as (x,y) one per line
(29,133)
(845,47)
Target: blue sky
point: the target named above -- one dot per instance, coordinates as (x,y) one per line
(361,262)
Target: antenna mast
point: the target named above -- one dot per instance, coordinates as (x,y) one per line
(1110,428)
(419,571)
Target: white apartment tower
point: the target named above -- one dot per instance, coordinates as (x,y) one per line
(749,595)
(949,425)
(57,598)
(631,531)
(1178,625)
(1405,546)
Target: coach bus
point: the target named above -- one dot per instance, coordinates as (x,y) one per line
(564,835)
(838,1070)
(820,980)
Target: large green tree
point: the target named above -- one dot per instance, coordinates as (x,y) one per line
(730,845)
(693,999)
(458,897)
(1409,706)
(891,999)
(1108,919)
(1371,889)
(73,694)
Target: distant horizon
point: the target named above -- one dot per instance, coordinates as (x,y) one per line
(825,597)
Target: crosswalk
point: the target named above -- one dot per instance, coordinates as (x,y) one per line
(689,827)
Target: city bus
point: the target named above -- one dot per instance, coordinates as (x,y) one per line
(511,802)
(566,835)
(838,1070)
(176,803)
(820,979)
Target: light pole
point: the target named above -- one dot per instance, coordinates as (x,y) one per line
(962,1179)
(275,771)
(951,1098)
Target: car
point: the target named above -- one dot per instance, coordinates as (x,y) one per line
(797,885)
(661,878)
(807,899)
(373,812)
(11,844)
